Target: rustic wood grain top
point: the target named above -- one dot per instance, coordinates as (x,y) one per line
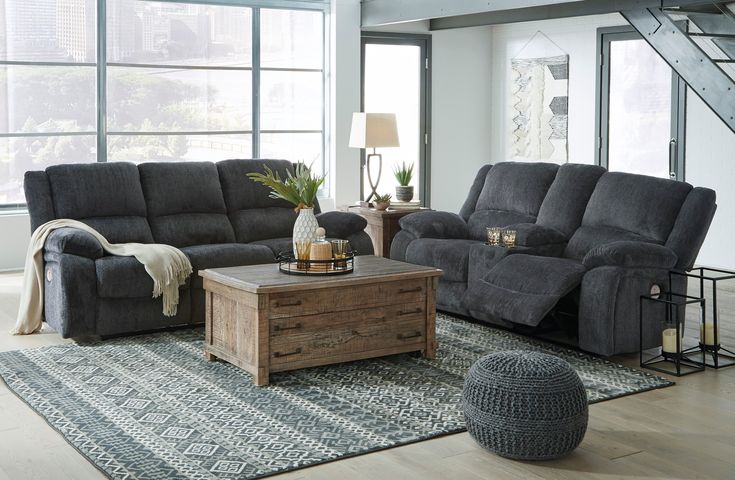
(267,278)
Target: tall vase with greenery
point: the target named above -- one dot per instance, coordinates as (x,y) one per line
(404,174)
(300,189)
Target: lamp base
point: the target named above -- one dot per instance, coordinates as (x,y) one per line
(373,185)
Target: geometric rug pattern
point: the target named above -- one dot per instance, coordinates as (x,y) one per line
(152,407)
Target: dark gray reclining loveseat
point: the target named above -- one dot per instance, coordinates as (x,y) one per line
(594,239)
(213,212)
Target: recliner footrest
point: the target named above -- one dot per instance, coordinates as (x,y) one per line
(524,288)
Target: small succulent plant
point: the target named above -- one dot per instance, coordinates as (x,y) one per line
(383,198)
(403,174)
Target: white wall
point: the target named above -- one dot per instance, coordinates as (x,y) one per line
(462,83)
(15,231)
(710,162)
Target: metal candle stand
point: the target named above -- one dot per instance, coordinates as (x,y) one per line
(715,355)
(681,359)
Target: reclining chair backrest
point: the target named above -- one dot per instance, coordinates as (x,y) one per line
(249,203)
(625,206)
(106,196)
(566,200)
(512,192)
(691,226)
(185,203)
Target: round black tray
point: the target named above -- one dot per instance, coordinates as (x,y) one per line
(291,266)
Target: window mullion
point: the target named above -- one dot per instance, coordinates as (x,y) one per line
(255,81)
(101,81)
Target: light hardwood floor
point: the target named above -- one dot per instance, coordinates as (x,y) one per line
(683,432)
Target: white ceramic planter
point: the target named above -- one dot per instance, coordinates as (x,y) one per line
(305,227)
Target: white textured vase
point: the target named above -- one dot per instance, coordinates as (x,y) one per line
(305,227)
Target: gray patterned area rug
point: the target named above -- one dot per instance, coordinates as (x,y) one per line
(151,406)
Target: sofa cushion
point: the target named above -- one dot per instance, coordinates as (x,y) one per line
(106,196)
(254,214)
(588,238)
(341,224)
(251,224)
(276,245)
(431,224)
(524,288)
(565,203)
(224,255)
(482,219)
(451,256)
(516,187)
(122,277)
(640,204)
(185,203)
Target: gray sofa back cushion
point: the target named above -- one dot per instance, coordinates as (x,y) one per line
(691,226)
(106,196)
(185,203)
(470,203)
(625,206)
(516,187)
(566,200)
(512,192)
(249,203)
(38,198)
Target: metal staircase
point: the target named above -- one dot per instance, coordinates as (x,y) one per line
(698,42)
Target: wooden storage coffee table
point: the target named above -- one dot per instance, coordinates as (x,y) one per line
(266,321)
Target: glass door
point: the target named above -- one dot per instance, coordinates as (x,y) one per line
(395,80)
(642,107)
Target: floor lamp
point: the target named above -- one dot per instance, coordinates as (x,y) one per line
(373,130)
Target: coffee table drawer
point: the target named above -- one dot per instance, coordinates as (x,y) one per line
(385,315)
(348,338)
(310,302)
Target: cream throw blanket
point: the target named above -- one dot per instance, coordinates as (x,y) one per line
(167,266)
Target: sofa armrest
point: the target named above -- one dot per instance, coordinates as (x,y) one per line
(532,235)
(435,225)
(631,254)
(341,224)
(73,241)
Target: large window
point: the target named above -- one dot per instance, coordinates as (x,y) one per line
(175,81)
(395,79)
(642,107)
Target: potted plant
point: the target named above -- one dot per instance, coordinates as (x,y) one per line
(299,188)
(404,174)
(382,202)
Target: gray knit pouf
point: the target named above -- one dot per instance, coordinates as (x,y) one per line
(525,405)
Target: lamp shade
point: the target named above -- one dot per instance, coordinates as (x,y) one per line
(374,130)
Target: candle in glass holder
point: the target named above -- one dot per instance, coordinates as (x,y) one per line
(509,238)
(494,235)
(707,333)
(339,252)
(668,341)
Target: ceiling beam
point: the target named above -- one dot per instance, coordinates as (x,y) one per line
(445,14)
(385,12)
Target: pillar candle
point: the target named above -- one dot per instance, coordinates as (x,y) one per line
(668,341)
(707,333)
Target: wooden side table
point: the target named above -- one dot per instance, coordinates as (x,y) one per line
(383,226)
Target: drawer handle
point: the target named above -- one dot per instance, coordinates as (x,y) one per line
(410,312)
(287,354)
(401,336)
(410,290)
(294,303)
(279,328)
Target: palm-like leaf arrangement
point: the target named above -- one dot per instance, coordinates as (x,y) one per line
(299,187)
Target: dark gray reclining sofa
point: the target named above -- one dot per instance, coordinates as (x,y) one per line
(594,239)
(213,212)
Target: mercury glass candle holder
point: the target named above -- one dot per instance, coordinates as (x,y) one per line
(509,238)
(494,235)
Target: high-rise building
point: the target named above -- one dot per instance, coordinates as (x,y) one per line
(75,28)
